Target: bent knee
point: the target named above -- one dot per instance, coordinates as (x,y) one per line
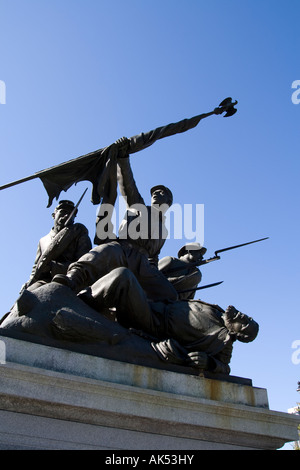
(123,273)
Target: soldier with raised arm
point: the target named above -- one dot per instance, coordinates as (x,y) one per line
(149,221)
(142,234)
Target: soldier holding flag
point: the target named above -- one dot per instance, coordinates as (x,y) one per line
(136,248)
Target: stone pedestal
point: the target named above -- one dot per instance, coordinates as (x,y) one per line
(52,398)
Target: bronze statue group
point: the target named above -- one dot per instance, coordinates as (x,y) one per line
(125,277)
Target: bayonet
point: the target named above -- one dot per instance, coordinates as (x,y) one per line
(216,257)
(199,288)
(169,271)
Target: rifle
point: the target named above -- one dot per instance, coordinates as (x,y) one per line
(167,272)
(75,209)
(199,288)
(216,257)
(205,261)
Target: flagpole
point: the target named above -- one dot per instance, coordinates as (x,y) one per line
(144,140)
(47,170)
(152,136)
(22,180)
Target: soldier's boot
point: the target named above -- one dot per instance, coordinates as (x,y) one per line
(87,297)
(74,279)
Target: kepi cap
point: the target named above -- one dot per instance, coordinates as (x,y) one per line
(167,190)
(65,204)
(191,247)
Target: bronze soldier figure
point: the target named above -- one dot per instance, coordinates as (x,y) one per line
(141,237)
(183,272)
(182,332)
(63,245)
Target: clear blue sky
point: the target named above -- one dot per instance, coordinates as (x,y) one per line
(80,74)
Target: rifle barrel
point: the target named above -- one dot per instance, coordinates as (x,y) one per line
(238,246)
(73,211)
(199,288)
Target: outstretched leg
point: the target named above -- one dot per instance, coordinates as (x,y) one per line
(121,289)
(93,265)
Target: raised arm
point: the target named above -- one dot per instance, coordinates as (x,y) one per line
(127,183)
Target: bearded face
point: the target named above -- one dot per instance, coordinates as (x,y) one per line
(240,326)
